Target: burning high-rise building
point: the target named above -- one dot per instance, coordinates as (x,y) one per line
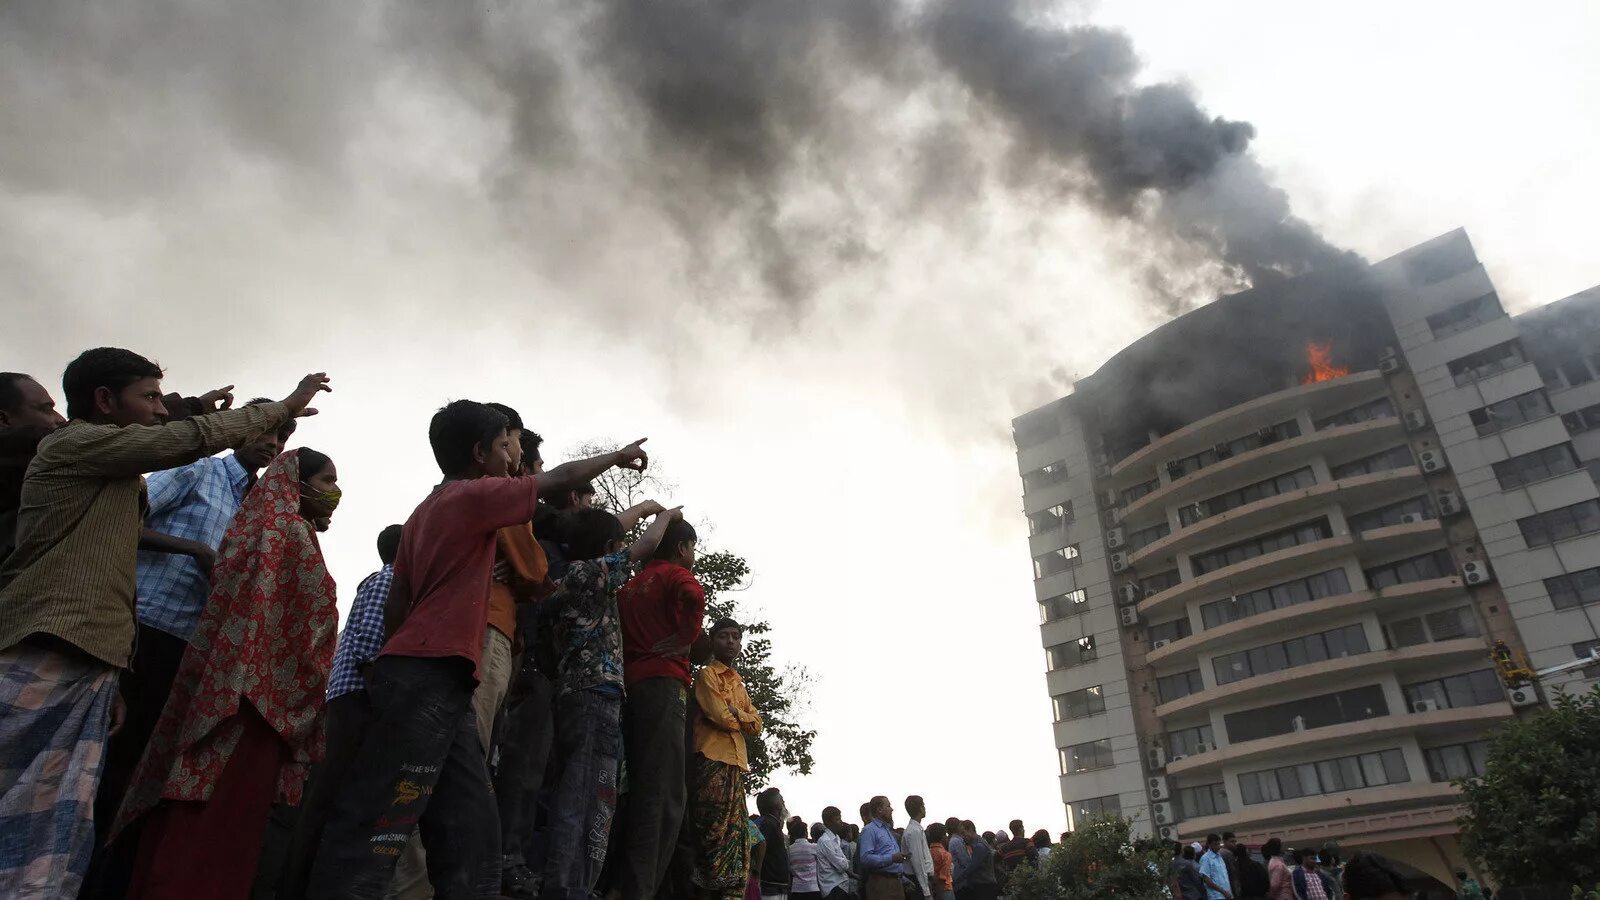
(1296,552)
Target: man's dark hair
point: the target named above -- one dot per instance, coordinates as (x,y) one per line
(937,833)
(797,830)
(1273,847)
(817,828)
(513,421)
(389,543)
(678,533)
(1016,827)
(102,367)
(966,825)
(1368,876)
(768,802)
(1041,838)
(1212,838)
(590,532)
(10,392)
(917,802)
(567,500)
(1227,838)
(866,810)
(458,428)
(724,623)
(286,430)
(312,462)
(530,448)
(831,811)
(1188,851)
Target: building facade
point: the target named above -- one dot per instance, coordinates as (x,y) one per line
(1297,551)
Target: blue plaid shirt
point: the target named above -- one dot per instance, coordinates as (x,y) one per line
(362,637)
(196,502)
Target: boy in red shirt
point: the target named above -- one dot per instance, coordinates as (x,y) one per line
(663,610)
(421,763)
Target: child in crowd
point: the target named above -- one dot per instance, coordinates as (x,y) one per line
(943,862)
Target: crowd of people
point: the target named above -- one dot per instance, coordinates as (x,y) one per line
(1223,868)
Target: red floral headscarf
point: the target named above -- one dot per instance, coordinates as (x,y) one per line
(267,636)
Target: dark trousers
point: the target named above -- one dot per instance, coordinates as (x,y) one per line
(588,753)
(145,685)
(527,721)
(345,724)
(653,722)
(420,765)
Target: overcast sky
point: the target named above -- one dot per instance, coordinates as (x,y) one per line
(827,369)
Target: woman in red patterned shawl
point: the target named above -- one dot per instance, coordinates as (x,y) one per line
(244,721)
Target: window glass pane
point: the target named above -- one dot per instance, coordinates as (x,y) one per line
(1394,767)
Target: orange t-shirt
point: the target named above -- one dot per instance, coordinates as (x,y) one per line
(529,568)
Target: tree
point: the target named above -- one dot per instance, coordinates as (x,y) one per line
(1534,816)
(781,696)
(1099,861)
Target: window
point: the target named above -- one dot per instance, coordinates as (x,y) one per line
(1189,741)
(1044,476)
(1381,408)
(1062,605)
(1328,776)
(1173,687)
(1536,466)
(1054,562)
(1436,564)
(1593,466)
(1484,363)
(1582,420)
(1393,514)
(1471,689)
(1071,653)
(1406,633)
(1144,537)
(1511,412)
(1090,701)
(1202,800)
(1139,490)
(1585,649)
(1037,430)
(1465,316)
(1387,460)
(1455,761)
(1159,582)
(1271,487)
(1170,631)
(1284,430)
(1574,588)
(1559,524)
(1278,540)
(1086,756)
(1353,705)
(1562,367)
(1082,812)
(1278,596)
(1300,651)
(1050,519)
(1450,624)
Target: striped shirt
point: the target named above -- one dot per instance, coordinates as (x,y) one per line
(195,502)
(362,637)
(72,574)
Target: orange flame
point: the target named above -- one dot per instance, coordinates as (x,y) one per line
(1320,358)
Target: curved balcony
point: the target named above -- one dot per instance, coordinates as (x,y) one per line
(1357,491)
(1261,571)
(1342,803)
(1285,681)
(1322,398)
(1243,631)
(1262,462)
(1439,724)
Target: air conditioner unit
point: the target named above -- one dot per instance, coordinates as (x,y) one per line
(1129,615)
(1476,572)
(1119,562)
(1162,813)
(1433,461)
(1420,706)
(1128,593)
(1111,517)
(1266,435)
(1203,747)
(1298,723)
(1168,832)
(1156,758)
(1158,788)
(1157,645)
(1222,450)
(1523,695)
(1416,419)
(1389,365)
(1115,539)
(1108,498)
(1179,757)
(1412,518)
(1447,502)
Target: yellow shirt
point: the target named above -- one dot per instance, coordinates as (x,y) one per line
(718,730)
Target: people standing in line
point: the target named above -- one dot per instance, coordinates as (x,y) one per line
(27,415)
(833,856)
(422,759)
(1215,870)
(956,843)
(803,884)
(976,880)
(880,852)
(1187,882)
(1041,846)
(1228,840)
(67,621)
(720,770)
(1310,882)
(663,610)
(918,867)
(580,625)
(1280,886)
(1015,852)
(943,863)
(775,875)
(1254,881)
(244,722)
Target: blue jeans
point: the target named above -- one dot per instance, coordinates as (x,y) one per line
(588,744)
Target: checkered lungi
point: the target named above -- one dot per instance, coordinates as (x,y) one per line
(55,709)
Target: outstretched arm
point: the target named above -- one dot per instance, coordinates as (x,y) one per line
(651,539)
(568,476)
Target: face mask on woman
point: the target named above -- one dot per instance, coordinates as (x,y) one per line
(317,504)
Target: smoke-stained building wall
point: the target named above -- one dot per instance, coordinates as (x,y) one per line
(1296,552)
